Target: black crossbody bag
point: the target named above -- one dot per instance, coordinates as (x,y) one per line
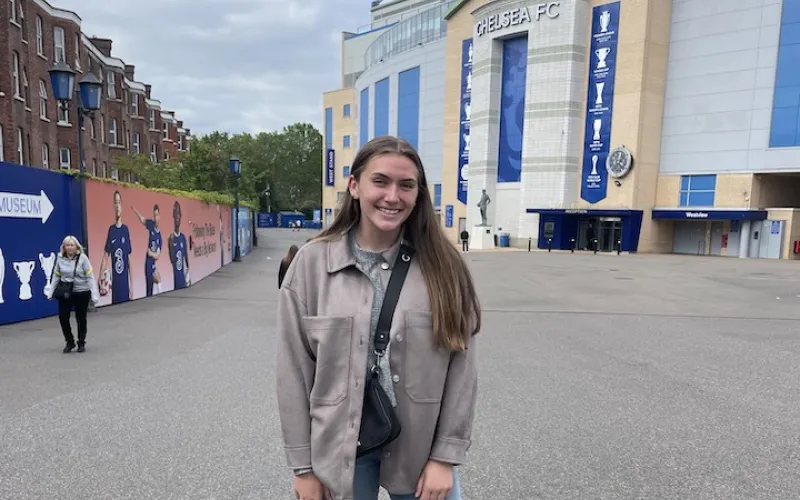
(64,288)
(379,423)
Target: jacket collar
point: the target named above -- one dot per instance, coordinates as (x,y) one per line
(341,257)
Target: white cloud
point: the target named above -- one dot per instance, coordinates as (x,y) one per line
(233,65)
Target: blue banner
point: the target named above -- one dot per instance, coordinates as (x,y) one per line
(330,168)
(466,111)
(317,215)
(245,229)
(448,216)
(267,219)
(38,209)
(599,101)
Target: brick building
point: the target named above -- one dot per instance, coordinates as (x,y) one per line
(35,130)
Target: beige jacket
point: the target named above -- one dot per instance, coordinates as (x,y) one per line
(323,334)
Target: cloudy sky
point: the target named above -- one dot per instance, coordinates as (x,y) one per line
(232,65)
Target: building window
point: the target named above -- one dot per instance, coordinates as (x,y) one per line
(165,130)
(42,99)
(134,104)
(2,146)
(166,155)
(94,166)
(346,141)
(64,158)
(339,196)
(114,174)
(39,36)
(20,147)
(14,11)
(111,85)
(15,74)
(102,129)
(136,144)
(112,132)
(78,52)
(26,91)
(346,171)
(153,153)
(92,133)
(698,190)
(346,110)
(45,155)
(59,54)
(152,119)
(63,115)
(437,195)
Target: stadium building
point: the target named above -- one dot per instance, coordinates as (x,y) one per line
(631,125)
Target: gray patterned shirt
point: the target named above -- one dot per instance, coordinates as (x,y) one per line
(370,264)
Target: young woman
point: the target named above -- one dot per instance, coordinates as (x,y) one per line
(285,263)
(73,266)
(329,306)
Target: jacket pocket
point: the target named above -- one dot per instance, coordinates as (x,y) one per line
(425,365)
(329,339)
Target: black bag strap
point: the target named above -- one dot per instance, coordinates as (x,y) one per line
(390,298)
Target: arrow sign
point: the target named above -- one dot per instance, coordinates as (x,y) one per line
(25,206)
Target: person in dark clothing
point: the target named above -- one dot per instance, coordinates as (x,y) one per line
(285,263)
(464,241)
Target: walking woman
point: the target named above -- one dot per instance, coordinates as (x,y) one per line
(376,361)
(285,264)
(74,286)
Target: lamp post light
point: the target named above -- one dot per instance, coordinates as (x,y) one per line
(236,170)
(62,79)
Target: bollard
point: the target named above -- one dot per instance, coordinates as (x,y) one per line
(529,243)
(595,245)
(549,244)
(619,247)
(572,248)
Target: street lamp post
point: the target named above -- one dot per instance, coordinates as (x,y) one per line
(236,170)
(62,79)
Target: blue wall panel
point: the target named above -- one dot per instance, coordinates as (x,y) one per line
(245,229)
(328,128)
(784,130)
(512,109)
(381,108)
(30,236)
(363,117)
(464,128)
(408,106)
(600,101)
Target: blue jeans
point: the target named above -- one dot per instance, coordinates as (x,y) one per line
(367,480)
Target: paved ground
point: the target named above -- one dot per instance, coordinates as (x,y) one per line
(602,377)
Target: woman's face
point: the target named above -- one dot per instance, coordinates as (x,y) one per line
(386,191)
(70,248)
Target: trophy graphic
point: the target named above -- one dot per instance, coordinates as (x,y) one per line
(594,165)
(598,123)
(24,271)
(599,86)
(469,80)
(466,142)
(601,54)
(47,269)
(467,110)
(470,53)
(605,19)
(2,274)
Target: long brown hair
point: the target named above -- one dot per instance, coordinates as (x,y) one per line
(290,255)
(454,303)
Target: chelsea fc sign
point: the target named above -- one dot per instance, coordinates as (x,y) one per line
(515,17)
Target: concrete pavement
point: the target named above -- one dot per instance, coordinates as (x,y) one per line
(602,377)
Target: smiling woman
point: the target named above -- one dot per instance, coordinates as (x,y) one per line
(337,337)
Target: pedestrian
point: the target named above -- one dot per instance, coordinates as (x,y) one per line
(464,241)
(73,285)
(285,263)
(366,401)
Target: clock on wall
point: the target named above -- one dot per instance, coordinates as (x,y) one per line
(619,162)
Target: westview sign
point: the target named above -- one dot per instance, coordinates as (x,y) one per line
(515,17)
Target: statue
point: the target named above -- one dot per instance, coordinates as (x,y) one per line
(482,204)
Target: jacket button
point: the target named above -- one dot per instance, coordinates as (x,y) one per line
(384,266)
(395,378)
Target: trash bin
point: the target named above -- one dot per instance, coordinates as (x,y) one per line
(505,240)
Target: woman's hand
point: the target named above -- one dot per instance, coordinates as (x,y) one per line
(308,487)
(435,482)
